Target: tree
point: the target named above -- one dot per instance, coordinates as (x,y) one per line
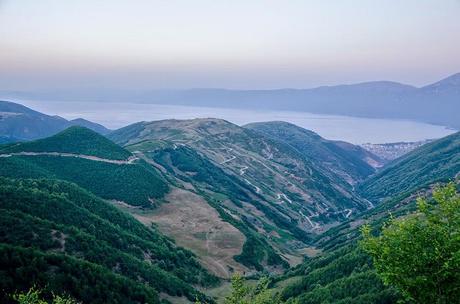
(420,254)
(242,293)
(33,297)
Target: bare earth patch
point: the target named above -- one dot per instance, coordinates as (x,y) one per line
(193,224)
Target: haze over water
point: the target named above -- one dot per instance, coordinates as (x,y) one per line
(352,129)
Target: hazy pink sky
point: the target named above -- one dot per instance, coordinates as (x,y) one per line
(51,44)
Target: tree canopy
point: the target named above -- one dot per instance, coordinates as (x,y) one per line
(420,254)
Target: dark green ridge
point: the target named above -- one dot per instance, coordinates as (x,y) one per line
(76,140)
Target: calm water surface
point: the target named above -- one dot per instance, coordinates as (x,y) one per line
(351,129)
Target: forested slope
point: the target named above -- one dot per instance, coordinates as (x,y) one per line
(435,161)
(343,273)
(109,175)
(64,239)
(77,140)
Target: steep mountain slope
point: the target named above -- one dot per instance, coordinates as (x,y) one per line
(436,161)
(95,163)
(77,140)
(19,123)
(351,162)
(60,237)
(90,125)
(88,159)
(273,171)
(343,273)
(273,194)
(231,199)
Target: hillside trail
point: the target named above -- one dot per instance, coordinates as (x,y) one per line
(128,161)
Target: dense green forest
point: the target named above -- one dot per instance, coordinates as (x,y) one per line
(77,140)
(80,242)
(136,184)
(436,161)
(420,254)
(57,232)
(344,273)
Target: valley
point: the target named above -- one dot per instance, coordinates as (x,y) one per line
(193,224)
(203,199)
(229,152)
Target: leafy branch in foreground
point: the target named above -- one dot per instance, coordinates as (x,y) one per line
(243,293)
(33,297)
(420,254)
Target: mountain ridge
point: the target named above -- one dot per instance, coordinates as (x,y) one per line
(20,123)
(435,103)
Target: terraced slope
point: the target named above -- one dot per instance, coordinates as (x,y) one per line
(60,237)
(435,161)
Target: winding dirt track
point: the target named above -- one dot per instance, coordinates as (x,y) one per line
(128,161)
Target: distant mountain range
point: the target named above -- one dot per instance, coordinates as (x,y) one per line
(19,123)
(438,103)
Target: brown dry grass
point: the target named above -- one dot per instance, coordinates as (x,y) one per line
(194,224)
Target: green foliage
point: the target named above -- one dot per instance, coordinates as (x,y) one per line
(201,170)
(59,273)
(70,229)
(134,184)
(255,249)
(342,276)
(433,162)
(123,135)
(242,293)
(77,140)
(420,254)
(343,157)
(32,296)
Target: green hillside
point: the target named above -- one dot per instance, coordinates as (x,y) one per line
(87,248)
(343,273)
(275,170)
(76,140)
(436,161)
(348,161)
(277,197)
(135,183)
(215,185)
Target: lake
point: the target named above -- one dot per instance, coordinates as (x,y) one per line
(352,129)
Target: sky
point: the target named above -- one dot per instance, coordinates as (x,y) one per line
(238,44)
